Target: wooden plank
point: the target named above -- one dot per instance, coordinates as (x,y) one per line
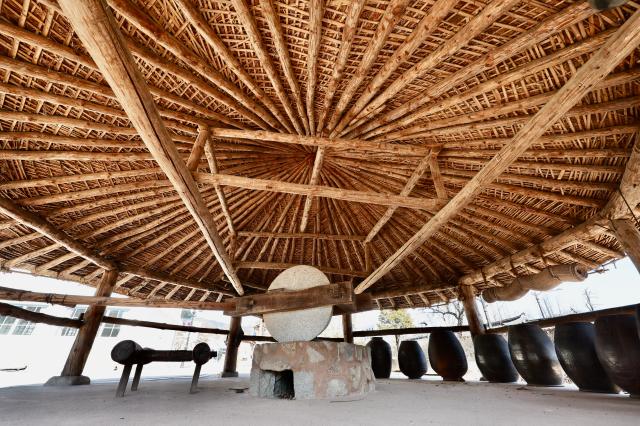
(621,44)
(163,326)
(96,27)
(320,191)
(281,301)
(411,330)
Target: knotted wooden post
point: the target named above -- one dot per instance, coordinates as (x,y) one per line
(347,328)
(72,371)
(233,342)
(467,296)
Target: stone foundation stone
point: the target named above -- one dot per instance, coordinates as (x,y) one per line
(321,370)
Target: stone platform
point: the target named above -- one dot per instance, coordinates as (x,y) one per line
(311,370)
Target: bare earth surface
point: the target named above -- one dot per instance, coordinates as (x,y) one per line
(396,401)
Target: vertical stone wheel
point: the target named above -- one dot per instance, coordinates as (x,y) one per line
(493,358)
(380,357)
(618,348)
(411,359)
(534,356)
(576,350)
(447,356)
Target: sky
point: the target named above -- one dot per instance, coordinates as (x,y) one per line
(618,285)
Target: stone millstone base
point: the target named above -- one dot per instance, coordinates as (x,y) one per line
(311,370)
(68,381)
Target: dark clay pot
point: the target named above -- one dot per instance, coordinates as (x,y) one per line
(447,356)
(534,356)
(493,358)
(380,357)
(576,350)
(618,348)
(411,359)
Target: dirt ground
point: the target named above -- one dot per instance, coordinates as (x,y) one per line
(396,401)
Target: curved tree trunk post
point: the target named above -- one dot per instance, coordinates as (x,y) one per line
(233,342)
(467,295)
(72,371)
(347,328)
(629,237)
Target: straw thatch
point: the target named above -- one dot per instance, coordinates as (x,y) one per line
(326,133)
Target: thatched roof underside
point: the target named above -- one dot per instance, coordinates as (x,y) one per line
(457,91)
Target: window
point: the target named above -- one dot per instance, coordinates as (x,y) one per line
(112,330)
(71,331)
(6,323)
(20,327)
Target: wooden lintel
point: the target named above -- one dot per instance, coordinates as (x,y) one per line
(16,312)
(278,301)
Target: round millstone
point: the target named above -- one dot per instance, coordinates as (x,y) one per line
(304,324)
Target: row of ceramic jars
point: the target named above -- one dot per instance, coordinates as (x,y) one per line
(604,357)
(446,356)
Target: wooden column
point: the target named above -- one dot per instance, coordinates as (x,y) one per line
(629,236)
(233,342)
(468,298)
(72,371)
(347,328)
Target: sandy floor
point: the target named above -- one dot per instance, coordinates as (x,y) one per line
(396,401)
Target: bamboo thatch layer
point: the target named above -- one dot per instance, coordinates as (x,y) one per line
(415,96)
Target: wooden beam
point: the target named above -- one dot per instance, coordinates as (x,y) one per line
(163,326)
(301,235)
(347,144)
(406,190)
(319,191)
(315,177)
(281,301)
(246,18)
(436,176)
(198,149)
(557,22)
(467,295)
(475,26)
(40,225)
(213,167)
(620,45)
(347,328)
(87,334)
(281,266)
(316,11)
(628,235)
(411,330)
(348,35)
(16,312)
(98,300)
(392,14)
(96,27)
(195,18)
(427,25)
(234,338)
(583,316)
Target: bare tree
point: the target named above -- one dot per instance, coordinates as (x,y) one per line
(451,311)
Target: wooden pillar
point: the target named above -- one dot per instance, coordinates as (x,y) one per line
(72,371)
(347,328)
(468,298)
(629,236)
(233,342)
